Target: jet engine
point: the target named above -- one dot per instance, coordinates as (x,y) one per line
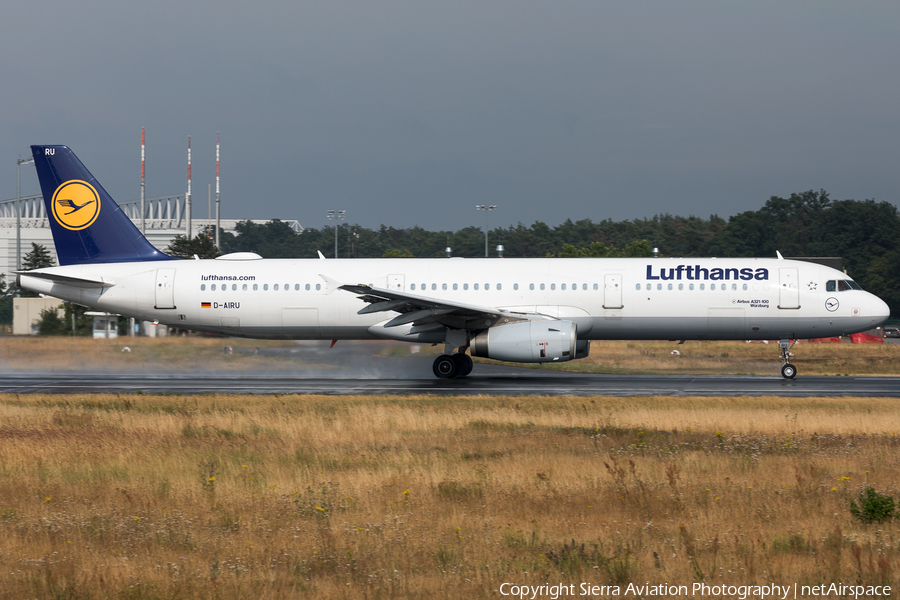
(528,341)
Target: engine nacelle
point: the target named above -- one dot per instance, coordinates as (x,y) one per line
(528,341)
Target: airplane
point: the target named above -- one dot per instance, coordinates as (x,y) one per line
(528,310)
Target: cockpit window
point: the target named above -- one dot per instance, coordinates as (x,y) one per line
(841,285)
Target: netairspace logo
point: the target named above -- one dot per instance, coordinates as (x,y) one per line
(740,592)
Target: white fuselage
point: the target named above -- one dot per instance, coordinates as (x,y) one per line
(607,298)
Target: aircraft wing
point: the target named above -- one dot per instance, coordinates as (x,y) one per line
(422,310)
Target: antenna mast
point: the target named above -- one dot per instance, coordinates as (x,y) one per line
(187,200)
(143,187)
(218,223)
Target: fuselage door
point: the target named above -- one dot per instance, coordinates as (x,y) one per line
(165,288)
(788,288)
(396,283)
(612,291)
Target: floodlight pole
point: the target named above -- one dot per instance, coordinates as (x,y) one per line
(336,215)
(19,163)
(486,208)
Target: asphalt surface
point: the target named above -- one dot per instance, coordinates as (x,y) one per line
(485,380)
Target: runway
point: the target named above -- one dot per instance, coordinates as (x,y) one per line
(490,380)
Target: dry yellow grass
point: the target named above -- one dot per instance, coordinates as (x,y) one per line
(421,497)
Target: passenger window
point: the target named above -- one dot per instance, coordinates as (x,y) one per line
(244,287)
(455,286)
(595,286)
(465,286)
(690,286)
(712,286)
(574,286)
(307,287)
(212,287)
(202,287)
(830,286)
(296,287)
(515,286)
(318,286)
(637,287)
(563,287)
(584,286)
(542,286)
(422,287)
(499,286)
(287,287)
(530,286)
(434,286)
(265,287)
(734,286)
(702,286)
(255,287)
(476,286)
(444,286)
(233,287)
(552,286)
(659,286)
(745,287)
(487,286)
(413,287)
(275,287)
(680,286)
(670,287)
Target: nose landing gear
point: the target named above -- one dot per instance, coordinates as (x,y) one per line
(788,371)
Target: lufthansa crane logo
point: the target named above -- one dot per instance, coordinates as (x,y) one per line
(76,204)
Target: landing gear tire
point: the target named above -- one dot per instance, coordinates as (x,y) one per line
(464,363)
(445,367)
(788,371)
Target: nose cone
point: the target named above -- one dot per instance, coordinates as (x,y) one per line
(880,310)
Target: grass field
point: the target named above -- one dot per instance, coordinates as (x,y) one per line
(115,496)
(202,353)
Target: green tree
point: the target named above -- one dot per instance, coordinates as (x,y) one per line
(201,245)
(38,258)
(394,253)
(636,248)
(50,323)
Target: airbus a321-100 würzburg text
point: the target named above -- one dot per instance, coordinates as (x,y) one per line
(519,310)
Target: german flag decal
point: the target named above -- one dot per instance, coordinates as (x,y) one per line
(206,305)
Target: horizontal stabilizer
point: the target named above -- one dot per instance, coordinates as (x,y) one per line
(85,282)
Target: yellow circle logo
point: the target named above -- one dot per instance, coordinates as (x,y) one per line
(76,204)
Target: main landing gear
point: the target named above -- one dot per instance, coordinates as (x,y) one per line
(451,366)
(788,371)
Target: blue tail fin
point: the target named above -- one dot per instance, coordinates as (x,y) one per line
(87,225)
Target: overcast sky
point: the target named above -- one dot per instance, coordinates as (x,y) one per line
(411,113)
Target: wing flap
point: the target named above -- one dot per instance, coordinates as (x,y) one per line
(422,310)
